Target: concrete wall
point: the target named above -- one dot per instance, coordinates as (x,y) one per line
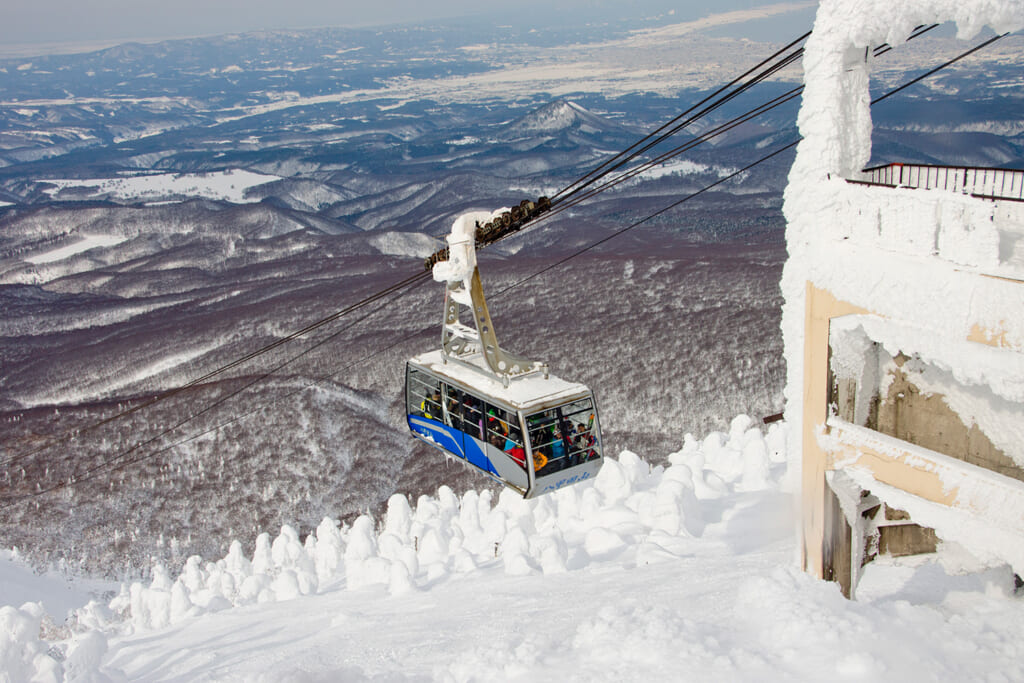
(926,420)
(921,418)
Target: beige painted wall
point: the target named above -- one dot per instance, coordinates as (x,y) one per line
(821,307)
(881,456)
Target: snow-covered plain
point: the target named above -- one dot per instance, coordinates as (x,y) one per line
(231,185)
(646,573)
(83,245)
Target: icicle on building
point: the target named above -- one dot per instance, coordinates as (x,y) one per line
(904,319)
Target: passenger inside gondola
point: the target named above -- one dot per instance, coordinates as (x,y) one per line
(513,438)
(431,406)
(518,454)
(558,451)
(495,425)
(502,434)
(454,406)
(540,461)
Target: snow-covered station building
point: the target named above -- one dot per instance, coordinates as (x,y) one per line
(904,319)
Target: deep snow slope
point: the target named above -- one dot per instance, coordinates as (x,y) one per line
(647,573)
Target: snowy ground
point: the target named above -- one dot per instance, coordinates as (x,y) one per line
(231,185)
(684,573)
(85,244)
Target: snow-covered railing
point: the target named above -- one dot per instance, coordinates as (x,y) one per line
(987,183)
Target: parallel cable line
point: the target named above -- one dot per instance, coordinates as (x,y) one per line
(671,154)
(940,67)
(667,129)
(629,227)
(712,133)
(676,124)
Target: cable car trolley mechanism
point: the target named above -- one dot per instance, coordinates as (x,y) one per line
(505,415)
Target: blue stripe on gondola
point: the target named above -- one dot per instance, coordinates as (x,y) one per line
(440,435)
(451,440)
(476,455)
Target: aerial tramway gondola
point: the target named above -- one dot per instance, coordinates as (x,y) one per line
(507,416)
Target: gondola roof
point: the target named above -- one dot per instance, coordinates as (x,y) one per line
(531,390)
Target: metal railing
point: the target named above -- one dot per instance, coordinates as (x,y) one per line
(986,183)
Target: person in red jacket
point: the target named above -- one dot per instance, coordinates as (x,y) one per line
(518,454)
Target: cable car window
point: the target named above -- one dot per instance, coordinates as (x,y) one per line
(452,398)
(496,427)
(472,416)
(502,431)
(584,440)
(424,395)
(565,435)
(547,440)
(580,412)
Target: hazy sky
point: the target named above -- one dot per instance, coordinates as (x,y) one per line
(85,21)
